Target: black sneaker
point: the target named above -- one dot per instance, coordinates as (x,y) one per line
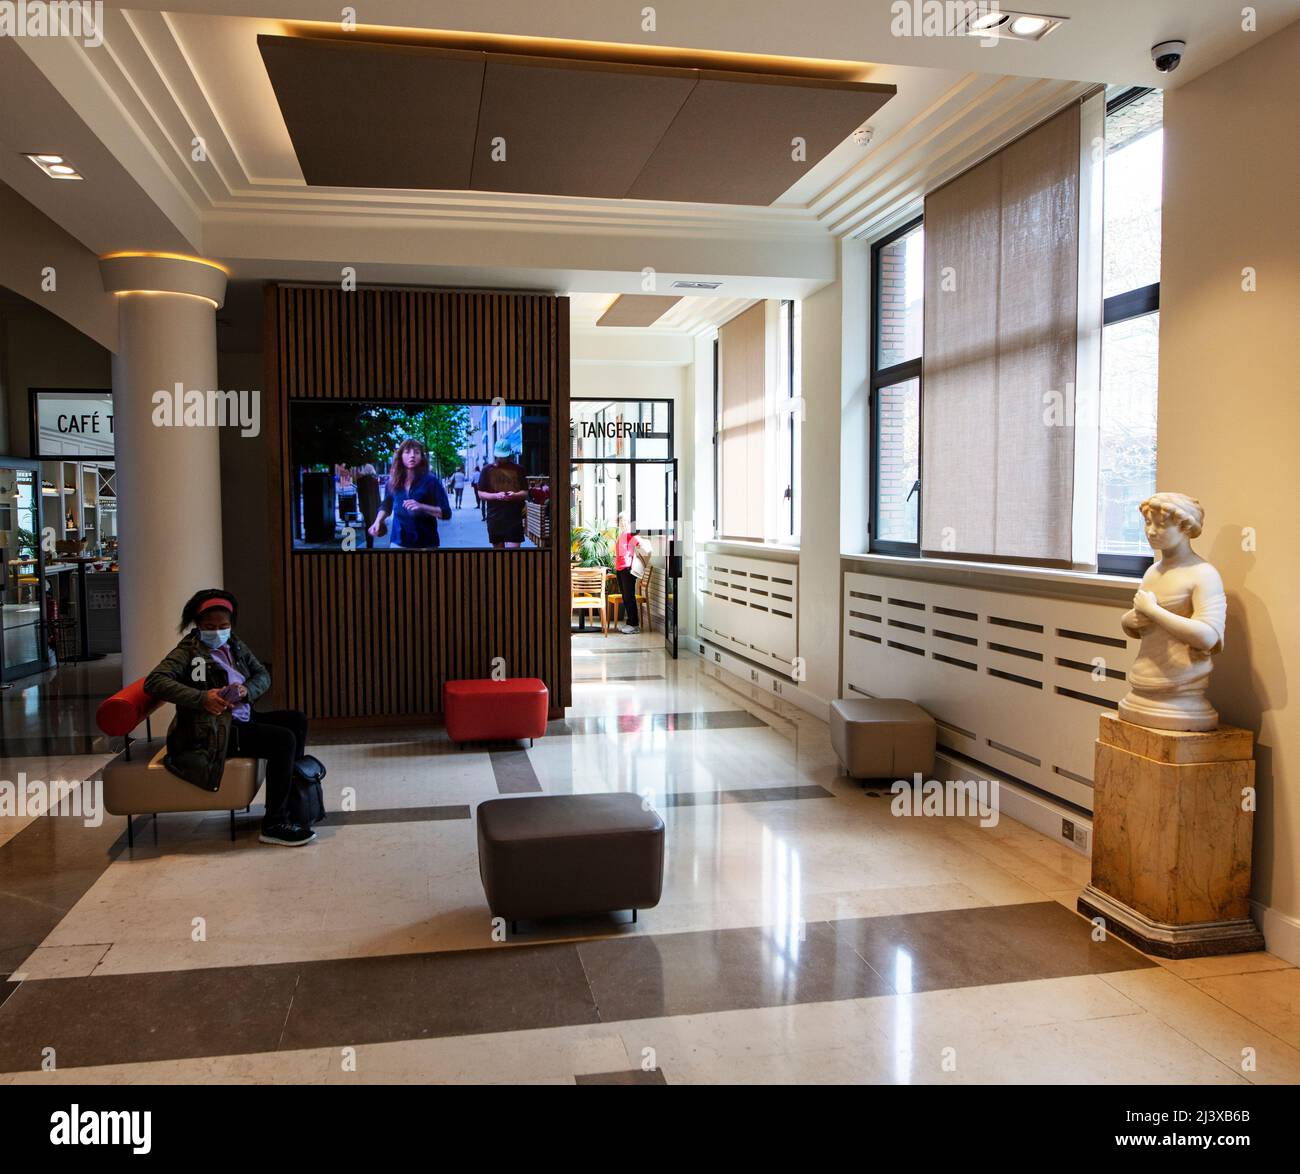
(291,835)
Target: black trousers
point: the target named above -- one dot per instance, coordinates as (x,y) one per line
(627,586)
(279,736)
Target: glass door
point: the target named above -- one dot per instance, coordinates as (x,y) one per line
(672,565)
(22,598)
(654,515)
(622,465)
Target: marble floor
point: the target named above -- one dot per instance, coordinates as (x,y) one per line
(806,934)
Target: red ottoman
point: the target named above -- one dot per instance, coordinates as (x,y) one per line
(493,711)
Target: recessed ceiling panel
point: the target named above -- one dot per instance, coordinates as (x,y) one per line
(572,128)
(744,139)
(377,116)
(636,310)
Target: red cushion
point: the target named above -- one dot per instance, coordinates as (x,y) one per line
(118,715)
(488,711)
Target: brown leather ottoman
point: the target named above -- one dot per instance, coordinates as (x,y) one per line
(569,855)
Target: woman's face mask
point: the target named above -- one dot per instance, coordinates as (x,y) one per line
(214,637)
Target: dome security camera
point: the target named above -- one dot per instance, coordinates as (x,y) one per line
(1168,55)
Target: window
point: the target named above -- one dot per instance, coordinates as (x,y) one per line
(757,424)
(787,410)
(1129,360)
(621,454)
(1131,330)
(717,448)
(898,281)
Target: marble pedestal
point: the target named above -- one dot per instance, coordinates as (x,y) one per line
(1171,843)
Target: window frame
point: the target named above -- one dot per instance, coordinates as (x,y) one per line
(882,377)
(631,461)
(717,452)
(787,410)
(1123,307)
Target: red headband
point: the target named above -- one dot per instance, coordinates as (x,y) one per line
(215,601)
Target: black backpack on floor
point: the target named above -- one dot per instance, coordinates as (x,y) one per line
(307,796)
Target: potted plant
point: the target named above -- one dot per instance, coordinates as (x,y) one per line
(592,546)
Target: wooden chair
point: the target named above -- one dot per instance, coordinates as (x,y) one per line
(642,600)
(587,592)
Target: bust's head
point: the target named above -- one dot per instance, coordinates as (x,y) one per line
(1171,518)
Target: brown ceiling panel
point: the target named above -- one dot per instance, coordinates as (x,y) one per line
(637,310)
(572,128)
(377,116)
(732,142)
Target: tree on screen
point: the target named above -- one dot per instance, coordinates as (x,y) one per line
(325,435)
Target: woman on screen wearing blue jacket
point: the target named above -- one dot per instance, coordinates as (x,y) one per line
(416,500)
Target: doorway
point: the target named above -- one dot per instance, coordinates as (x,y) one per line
(622,463)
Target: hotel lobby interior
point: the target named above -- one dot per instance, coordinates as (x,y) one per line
(772,519)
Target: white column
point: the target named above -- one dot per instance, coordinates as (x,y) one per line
(168,477)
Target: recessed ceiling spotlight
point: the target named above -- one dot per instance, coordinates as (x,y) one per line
(1029,27)
(55,166)
(1006,25)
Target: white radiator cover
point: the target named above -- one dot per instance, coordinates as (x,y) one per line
(1014,681)
(749,605)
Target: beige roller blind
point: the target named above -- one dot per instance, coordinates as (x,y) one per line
(740,425)
(1001,327)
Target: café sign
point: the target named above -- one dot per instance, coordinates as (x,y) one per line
(73,425)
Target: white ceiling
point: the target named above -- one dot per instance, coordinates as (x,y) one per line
(171,70)
(689,316)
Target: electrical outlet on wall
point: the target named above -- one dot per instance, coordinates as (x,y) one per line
(753,674)
(776,686)
(1067,830)
(1082,838)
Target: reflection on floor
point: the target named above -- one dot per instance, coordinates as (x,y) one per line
(805,934)
(21,625)
(51,715)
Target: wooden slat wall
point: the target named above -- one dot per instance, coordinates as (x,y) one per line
(373,635)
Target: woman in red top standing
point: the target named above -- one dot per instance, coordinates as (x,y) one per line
(626,546)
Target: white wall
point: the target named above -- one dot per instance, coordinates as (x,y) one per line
(32,244)
(1229,423)
(819,528)
(42,350)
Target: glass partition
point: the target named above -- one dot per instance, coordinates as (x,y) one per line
(23,597)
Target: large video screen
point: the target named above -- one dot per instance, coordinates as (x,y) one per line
(419,476)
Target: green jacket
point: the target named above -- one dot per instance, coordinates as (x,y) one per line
(196,739)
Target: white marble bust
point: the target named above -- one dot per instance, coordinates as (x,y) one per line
(1178,614)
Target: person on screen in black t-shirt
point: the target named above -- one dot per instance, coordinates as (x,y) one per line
(504,487)
(416,500)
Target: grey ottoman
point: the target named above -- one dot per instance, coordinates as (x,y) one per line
(880,737)
(569,855)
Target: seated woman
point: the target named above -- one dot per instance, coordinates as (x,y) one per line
(212,678)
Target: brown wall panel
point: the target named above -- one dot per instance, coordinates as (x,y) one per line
(369,635)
